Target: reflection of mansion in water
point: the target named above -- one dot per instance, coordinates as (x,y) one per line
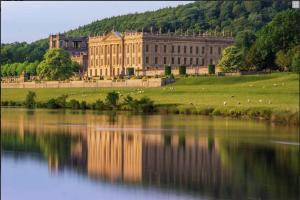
(133,157)
(135,154)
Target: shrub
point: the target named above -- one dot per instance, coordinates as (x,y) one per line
(98,105)
(146,105)
(112,99)
(74,104)
(182,70)
(130,71)
(4,103)
(52,104)
(30,100)
(83,105)
(59,102)
(211,69)
(168,70)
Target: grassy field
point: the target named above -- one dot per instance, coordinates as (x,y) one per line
(277,90)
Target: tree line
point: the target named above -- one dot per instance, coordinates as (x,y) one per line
(276,46)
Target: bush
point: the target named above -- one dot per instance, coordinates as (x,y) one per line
(296,63)
(59,102)
(98,105)
(182,70)
(30,100)
(4,103)
(211,69)
(112,99)
(130,71)
(168,70)
(83,105)
(74,104)
(146,105)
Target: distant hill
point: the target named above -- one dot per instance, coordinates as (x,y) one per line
(201,16)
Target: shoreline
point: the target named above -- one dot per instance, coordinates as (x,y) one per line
(277,117)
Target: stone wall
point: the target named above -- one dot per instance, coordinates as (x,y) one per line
(155,82)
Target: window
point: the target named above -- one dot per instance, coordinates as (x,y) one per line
(96,62)
(197,61)
(184,49)
(165,48)
(139,60)
(184,61)
(178,61)
(203,50)
(211,61)
(133,61)
(173,49)
(219,50)
(156,60)
(127,61)
(92,51)
(191,61)
(91,74)
(191,49)
(178,49)
(156,48)
(211,50)
(133,48)
(100,72)
(147,60)
(105,72)
(92,63)
(96,72)
(96,51)
(172,61)
(165,60)
(118,70)
(202,61)
(197,50)
(147,48)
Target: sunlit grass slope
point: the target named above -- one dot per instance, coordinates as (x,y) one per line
(277,90)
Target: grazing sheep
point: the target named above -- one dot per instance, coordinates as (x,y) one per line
(232,96)
(248,100)
(270,102)
(260,101)
(239,103)
(224,103)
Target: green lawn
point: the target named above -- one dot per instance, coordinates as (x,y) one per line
(281,89)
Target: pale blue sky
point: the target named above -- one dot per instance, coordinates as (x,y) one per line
(30,21)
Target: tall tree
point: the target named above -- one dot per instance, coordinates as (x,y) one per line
(57,65)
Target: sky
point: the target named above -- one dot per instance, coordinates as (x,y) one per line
(30,21)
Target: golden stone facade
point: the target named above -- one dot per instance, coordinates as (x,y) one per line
(111,54)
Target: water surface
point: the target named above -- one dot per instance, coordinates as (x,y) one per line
(48,154)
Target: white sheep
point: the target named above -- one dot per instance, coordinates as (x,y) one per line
(224,103)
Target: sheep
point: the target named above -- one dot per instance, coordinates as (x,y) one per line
(224,103)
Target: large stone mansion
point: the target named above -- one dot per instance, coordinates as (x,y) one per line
(111,54)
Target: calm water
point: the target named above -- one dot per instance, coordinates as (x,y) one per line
(85,155)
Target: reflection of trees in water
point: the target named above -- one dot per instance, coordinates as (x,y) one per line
(261,170)
(174,159)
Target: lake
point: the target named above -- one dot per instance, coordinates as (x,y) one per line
(56,154)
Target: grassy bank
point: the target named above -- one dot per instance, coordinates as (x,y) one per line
(269,96)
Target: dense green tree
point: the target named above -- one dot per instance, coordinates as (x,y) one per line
(57,65)
(31,68)
(281,33)
(231,60)
(296,63)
